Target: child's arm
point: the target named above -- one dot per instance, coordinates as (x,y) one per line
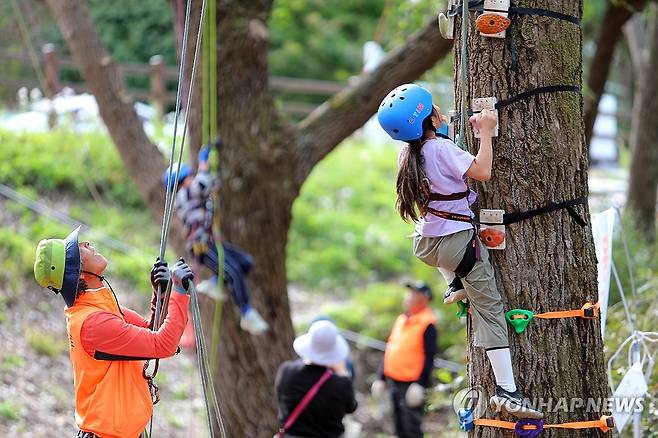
(485,122)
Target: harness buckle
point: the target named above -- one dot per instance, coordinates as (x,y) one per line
(590,311)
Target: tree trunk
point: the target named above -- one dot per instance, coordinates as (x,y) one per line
(549,264)
(616,15)
(643,186)
(141,157)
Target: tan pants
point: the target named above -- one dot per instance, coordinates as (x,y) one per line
(490,329)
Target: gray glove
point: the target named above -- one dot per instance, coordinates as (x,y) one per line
(181,275)
(160,274)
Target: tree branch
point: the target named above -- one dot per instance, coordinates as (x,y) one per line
(349,109)
(140,156)
(616,14)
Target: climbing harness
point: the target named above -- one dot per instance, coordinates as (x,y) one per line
(520,318)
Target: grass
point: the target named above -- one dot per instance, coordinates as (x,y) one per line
(11,362)
(45,344)
(9,411)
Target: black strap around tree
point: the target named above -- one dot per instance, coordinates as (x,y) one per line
(478,6)
(560,88)
(510,218)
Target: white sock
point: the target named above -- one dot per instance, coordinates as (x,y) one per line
(447,275)
(501,363)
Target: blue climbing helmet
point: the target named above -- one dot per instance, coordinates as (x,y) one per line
(403,110)
(185,171)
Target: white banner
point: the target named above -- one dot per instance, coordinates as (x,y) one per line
(602,227)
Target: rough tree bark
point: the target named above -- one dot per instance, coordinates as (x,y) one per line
(141,157)
(549,264)
(643,185)
(616,15)
(264,162)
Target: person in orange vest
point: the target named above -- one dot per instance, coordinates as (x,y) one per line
(109,343)
(409,360)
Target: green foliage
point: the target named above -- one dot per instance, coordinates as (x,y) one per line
(345,230)
(44,343)
(132,31)
(10,411)
(63,160)
(332,33)
(11,362)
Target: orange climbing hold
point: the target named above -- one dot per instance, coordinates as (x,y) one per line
(490,24)
(492,237)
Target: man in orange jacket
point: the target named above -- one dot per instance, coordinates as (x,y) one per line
(409,360)
(109,343)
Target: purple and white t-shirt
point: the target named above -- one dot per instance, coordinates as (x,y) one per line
(445,166)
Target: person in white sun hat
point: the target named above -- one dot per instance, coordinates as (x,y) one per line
(314,392)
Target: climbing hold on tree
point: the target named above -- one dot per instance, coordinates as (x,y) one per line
(529,427)
(491,23)
(464,308)
(491,237)
(465,419)
(519,319)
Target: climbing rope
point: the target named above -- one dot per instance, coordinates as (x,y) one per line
(206,377)
(464,75)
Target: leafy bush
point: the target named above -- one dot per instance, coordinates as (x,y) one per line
(66,161)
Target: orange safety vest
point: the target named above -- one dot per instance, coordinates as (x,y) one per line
(112,399)
(405,353)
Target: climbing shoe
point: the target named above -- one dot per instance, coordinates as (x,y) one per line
(514,404)
(455,292)
(209,287)
(253,323)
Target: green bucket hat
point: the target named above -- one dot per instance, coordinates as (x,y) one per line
(57,265)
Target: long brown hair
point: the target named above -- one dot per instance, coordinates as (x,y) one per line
(412,186)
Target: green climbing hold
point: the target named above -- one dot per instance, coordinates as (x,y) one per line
(463,309)
(519,319)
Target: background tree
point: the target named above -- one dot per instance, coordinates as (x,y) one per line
(617,13)
(642,35)
(264,163)
(540,155)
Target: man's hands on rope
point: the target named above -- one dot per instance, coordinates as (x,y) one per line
(180,274)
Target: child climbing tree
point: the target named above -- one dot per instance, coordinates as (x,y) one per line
(540,157)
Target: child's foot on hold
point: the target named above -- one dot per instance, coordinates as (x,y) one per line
(209,287)
(455,292)
(514,404)
(252,322)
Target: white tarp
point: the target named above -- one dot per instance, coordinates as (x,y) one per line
(630,391)
(602,227)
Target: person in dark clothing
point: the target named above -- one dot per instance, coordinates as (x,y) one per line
(409,360)
(320,349)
